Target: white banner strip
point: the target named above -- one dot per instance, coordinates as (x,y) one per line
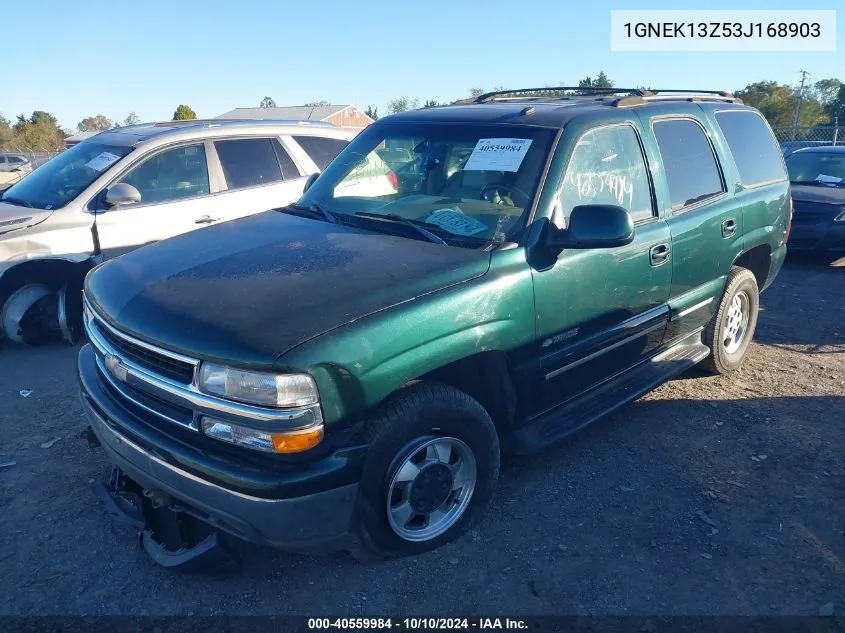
(723,30)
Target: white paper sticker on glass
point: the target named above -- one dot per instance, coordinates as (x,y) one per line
(498,154)
(102,160)
(456,222)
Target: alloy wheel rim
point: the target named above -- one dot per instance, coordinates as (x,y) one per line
(430,487)
(736,323)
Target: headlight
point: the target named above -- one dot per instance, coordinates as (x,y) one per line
(840,217)
(274,390)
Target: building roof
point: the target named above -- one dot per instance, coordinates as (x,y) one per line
(301,113)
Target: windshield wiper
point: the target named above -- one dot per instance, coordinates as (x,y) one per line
(314,207)
(17,202)
(395,217)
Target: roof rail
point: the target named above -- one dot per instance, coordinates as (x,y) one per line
(669,95)
(574,91)
(627,96)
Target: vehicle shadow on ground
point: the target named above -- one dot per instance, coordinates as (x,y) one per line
(716,488)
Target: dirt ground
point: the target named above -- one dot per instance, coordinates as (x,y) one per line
(711,495)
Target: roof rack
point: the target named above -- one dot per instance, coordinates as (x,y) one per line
(574,91)
(620,96)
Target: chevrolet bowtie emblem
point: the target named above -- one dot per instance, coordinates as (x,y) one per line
(114,367)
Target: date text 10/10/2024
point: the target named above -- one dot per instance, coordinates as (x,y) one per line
(416,624)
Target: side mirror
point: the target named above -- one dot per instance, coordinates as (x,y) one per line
(122,194)
(309,182)
(594,226)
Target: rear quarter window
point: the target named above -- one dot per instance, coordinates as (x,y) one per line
(321,149)
(756,154)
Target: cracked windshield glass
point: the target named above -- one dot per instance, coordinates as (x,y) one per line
(474,183)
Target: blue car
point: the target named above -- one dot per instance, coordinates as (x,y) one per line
(817,176)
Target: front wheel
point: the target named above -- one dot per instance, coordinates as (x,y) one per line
(731,329)
(430,472)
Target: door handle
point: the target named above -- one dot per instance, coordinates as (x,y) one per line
(205,219)
(659,254)
(728,227)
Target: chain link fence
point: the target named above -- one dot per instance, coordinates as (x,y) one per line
(36,157)
(791,139)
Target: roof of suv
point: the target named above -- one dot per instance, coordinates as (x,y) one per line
(205,128)
(507,106)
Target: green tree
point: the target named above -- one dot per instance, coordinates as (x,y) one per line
(6,133)
(132,119)
(39,132)
(267,102)
(184,113)
(314,104)
(777,103)
(601,81)
(372,113)
(402,104)
(476,92)
(826,90)
(430,103)
(836,108)
(96,123)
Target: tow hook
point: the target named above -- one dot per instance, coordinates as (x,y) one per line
(166,530)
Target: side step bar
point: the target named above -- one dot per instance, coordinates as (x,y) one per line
(575,414)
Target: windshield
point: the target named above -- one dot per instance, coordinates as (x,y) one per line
(61,179)
(471,182)
(818,168)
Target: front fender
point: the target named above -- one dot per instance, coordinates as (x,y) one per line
(357,366)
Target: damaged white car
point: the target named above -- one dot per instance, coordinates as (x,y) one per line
(131,186)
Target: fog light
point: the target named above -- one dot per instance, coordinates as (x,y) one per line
(272,442)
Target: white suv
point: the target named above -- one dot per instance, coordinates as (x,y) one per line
(134,185)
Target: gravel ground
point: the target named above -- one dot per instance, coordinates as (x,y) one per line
(711,495)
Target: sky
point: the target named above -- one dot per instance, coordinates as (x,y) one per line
(77,58)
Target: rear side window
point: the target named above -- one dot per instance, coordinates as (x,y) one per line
(755,152)
(688,162)
(321,149)
(248,162)
(16,159)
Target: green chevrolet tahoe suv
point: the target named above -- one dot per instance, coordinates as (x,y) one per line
(346,372)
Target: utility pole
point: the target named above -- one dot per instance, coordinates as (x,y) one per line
(804,74)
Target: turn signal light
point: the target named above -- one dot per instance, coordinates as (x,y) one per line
(267,441)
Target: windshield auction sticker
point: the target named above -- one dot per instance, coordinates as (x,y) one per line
(723,30)
(498,154)
(456,222)
(102,161)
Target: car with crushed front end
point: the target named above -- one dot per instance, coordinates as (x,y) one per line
(346,372)
(123,188)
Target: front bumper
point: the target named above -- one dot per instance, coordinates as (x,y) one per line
(821,237)
(315,522)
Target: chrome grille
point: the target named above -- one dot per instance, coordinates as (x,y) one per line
(172,368)
(144,378)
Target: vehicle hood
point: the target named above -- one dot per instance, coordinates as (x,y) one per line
(819,194)
(246,291)
(14,217)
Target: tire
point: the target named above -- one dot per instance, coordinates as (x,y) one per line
(419,420)
(727,352)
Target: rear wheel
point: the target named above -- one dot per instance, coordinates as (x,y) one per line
(731,329)
(431,470)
